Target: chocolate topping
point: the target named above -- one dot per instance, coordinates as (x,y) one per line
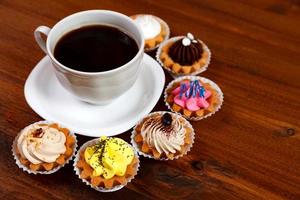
(161,123)
(38,133)
(186,53)
(166,119)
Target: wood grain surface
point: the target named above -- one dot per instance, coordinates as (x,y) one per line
(250,149)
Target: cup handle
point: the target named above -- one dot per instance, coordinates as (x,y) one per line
(38,36)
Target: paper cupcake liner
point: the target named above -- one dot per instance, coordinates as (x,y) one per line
(204,80)
(100,189)
(137,148)
(28,170)
(166,26)
(173,74)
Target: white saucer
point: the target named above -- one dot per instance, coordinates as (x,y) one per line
(51,101)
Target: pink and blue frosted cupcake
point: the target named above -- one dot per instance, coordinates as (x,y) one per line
(193,97)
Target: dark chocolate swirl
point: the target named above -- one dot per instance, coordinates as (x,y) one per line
(185,55)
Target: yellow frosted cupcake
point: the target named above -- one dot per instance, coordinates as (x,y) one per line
(106,164)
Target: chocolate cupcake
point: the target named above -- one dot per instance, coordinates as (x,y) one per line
(184,55)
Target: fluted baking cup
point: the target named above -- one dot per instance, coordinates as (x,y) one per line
(138,148)
(176,75)
(100,189)
(28,170)
(204,80)
(164,24)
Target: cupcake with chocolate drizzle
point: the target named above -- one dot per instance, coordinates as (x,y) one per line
(163,136)
(184,55)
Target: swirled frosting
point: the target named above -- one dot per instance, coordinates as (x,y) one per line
(186,51)
(149,25)
(41,143)
(164,137)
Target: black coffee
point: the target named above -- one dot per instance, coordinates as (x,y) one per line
(95,48)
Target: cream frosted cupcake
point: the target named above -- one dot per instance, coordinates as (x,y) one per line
(163,136)
(106,164)
(154,30)
(44,147)
(184,55)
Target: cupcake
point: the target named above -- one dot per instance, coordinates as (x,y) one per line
(44,147)
(154,29)
(163,136)
(184,55)
(106,164)
(193,97)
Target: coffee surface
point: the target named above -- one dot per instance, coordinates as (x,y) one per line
(95,48)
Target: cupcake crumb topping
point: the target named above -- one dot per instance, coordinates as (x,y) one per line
(38,133)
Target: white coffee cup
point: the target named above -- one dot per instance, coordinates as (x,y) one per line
(93,87)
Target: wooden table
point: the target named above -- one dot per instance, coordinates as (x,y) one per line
(248,150)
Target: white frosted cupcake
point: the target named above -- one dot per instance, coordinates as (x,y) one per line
(154,29)
(163,136)
(44,147)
